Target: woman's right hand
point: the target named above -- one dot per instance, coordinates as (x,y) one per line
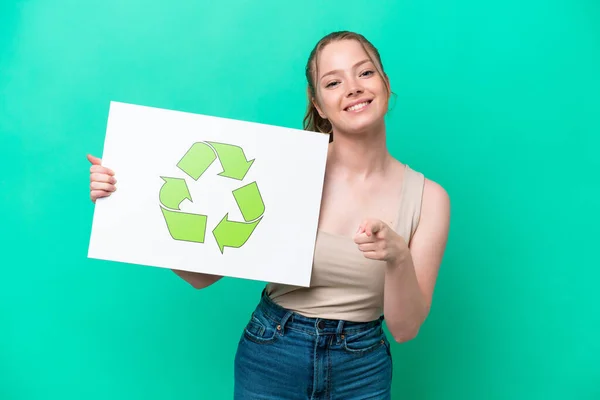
(102,179)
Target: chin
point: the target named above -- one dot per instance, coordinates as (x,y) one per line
(365,124)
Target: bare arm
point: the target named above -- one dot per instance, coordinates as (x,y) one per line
(411,269)
(196,279)
(410,283)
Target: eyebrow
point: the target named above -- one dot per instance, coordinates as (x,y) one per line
(337,70)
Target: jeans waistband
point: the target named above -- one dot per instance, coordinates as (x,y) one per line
(285,317)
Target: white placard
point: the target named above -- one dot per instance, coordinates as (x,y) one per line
(208,194)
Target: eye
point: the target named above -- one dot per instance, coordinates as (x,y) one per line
(367,73)
(330,84)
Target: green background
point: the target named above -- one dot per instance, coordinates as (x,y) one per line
(497,101)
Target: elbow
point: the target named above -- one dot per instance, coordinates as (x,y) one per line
(408,329)
(405,335)
(204,282)
(404,331)
(197,285)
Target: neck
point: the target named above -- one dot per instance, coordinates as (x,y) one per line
(360,155)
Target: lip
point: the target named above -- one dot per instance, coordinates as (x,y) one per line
(358,102)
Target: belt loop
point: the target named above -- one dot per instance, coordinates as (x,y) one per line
(284,320)
(339,330)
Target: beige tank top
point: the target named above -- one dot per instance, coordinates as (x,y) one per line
(344,284)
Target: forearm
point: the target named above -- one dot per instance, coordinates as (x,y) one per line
(404,304)
(197,279)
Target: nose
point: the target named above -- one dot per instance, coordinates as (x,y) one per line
(354,91)
(354,88)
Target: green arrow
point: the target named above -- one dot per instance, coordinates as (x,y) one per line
(233,160)
(249,201)
(197,160)
(185,226)
(233,234)
(173,192)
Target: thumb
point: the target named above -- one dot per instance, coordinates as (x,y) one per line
(370,228)
(376,227)
(94,160)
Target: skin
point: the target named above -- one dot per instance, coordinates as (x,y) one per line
(362,182)
(361,189)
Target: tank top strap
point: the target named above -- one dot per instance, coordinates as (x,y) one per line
(409,210)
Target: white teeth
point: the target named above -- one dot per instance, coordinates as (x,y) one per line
(358,106)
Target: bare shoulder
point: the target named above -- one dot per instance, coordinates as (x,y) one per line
(435,208)
(434,220)
(435,196)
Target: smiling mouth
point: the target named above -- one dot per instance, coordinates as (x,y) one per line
(358,107)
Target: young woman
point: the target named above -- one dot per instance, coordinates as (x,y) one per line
(382,233)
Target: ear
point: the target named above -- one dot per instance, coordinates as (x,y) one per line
(318,108)
(387,82)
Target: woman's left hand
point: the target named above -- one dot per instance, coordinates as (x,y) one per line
(378,241)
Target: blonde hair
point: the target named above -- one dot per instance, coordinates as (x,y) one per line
(312,119)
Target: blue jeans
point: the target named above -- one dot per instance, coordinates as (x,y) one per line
(283,355)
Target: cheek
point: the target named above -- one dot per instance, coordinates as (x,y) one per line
(383,100)
(329,103)
(381,91)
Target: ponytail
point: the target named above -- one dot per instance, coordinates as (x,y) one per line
(313,120)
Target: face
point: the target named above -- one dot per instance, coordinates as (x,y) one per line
(349,90)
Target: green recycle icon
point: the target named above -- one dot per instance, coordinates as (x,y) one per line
(192,227)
